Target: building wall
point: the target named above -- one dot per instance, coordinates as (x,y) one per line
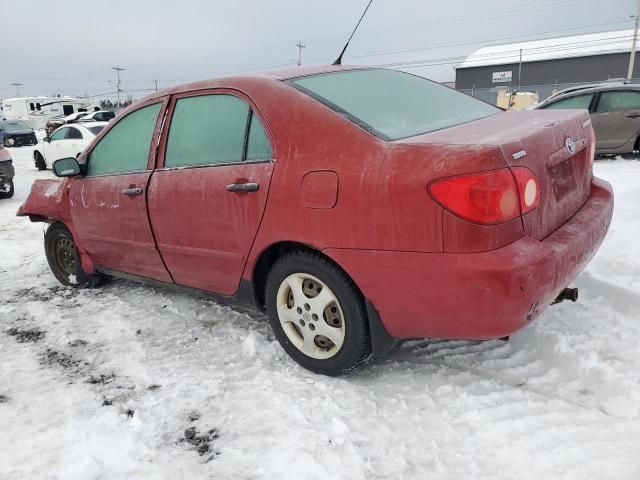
(594,68)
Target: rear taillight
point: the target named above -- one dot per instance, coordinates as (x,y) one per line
(528,188)
(591,153)
(488,198)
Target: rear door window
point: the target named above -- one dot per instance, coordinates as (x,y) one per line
(125,148)
(392,104)
(578,102)
(74,134)
(207,130)
(258,147)
(618,100)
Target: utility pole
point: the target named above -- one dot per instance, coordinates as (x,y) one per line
(118,70)
(520,68)
(156,82)
(301,46)
(17,85)
(632,58)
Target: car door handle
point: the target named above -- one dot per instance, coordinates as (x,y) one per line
(132,191)
(634,115)
(243,187)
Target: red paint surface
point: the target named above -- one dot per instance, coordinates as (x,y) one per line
(428,272)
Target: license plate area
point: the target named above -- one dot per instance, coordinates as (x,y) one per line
(563,179)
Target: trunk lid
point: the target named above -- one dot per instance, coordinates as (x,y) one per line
(556,145)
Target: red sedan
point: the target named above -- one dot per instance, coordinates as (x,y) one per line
(355,206)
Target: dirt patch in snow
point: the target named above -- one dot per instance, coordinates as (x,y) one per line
(26,335)
(200,442)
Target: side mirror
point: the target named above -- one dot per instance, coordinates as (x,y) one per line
(66,167)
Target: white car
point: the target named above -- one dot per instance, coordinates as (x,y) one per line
(99,116)
(67,141)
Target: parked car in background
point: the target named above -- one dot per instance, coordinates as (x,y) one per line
(614,110)
(6,173)
(356,206)
(52,125)
(75,117)
(99,116)
(66,141)
(15,133)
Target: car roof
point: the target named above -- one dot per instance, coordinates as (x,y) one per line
(278,74)
(89,124)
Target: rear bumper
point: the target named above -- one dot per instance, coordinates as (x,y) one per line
(478,295)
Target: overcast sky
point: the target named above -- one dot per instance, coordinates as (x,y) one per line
(69,46)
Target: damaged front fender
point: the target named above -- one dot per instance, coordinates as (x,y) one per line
(47,202)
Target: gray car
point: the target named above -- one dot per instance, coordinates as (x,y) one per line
(615,114)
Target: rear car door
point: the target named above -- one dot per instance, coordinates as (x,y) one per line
(108,205)
(616,119)
(207,197)
(73,142)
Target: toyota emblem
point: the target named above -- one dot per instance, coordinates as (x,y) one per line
(570,144)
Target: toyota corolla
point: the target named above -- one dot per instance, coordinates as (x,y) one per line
(355,206)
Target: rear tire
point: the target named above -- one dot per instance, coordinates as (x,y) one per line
(39,161)
(9,192)
(64,259)
(317,314)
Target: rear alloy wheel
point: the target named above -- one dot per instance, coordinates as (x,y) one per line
(64,259)
(317,314)
(39,161)
(6,188)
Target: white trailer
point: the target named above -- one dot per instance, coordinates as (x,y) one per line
(37,111)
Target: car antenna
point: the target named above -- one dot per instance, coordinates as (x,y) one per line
(339,59)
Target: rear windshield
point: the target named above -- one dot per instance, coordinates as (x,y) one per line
(95,130)
(12,126)
(391,104)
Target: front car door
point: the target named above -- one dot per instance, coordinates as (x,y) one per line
(208,195)
(616,119)
(108,205)
(56,147)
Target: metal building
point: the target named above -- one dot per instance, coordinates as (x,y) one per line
(545,66)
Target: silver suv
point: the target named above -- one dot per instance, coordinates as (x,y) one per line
(615,114)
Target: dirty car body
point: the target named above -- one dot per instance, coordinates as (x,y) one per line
(447,217)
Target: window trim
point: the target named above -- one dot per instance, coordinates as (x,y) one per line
(162,147)
(85,157)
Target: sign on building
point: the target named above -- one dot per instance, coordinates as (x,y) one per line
(502,77)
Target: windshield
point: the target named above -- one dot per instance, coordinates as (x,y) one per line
(11,126)
(392,104)
(95,130)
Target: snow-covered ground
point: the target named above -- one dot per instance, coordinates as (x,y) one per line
(129,381)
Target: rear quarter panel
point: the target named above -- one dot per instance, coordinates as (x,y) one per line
(382,202)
